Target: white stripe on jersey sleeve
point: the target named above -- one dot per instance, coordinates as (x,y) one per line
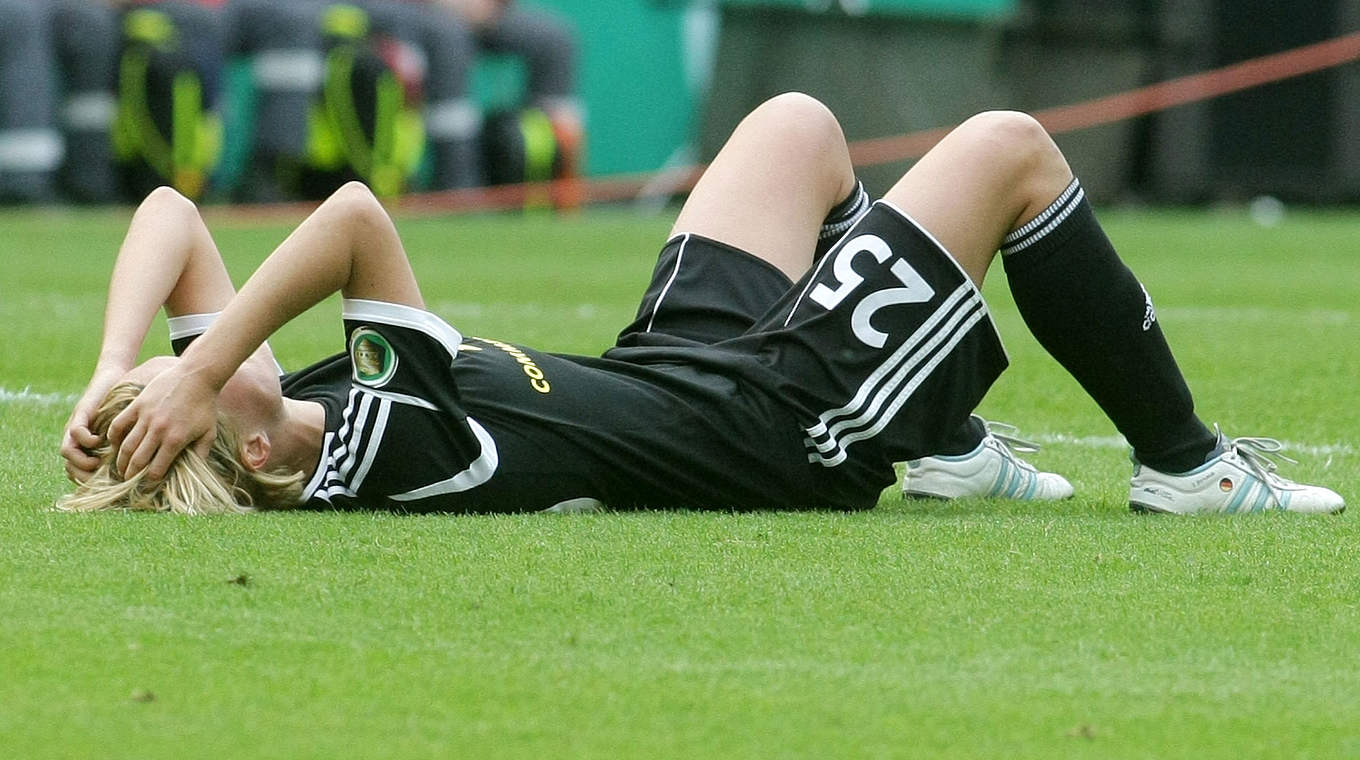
(402,398)
(371,447)
(188,325)
(352,449)
(383,312)
(194,325)
(346,454)
(318,475)
(476,473)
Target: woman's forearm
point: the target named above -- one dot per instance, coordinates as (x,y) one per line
(348,245)
(167,259)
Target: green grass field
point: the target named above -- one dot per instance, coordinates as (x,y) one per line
(966,630)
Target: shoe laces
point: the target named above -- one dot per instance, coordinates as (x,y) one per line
(1262,456)
(1011,445)
(1006,433)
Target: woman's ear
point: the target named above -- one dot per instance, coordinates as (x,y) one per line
(255,451)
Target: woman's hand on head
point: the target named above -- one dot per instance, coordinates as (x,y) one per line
(79,440)
(176,410)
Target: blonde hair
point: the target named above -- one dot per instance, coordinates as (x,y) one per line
(219,484)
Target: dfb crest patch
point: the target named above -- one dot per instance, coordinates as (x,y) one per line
(372,356)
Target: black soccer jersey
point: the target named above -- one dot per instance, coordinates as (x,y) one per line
(419,418)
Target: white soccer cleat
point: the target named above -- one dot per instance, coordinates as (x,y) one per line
(1241,478)
(992,470)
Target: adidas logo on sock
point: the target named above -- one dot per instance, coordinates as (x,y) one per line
(1150,316)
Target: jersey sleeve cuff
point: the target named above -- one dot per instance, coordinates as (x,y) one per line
(400,315)
(191,325)
(186,327)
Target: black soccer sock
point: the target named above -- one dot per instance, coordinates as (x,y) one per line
(841,218)
(964,440)
(1089,311)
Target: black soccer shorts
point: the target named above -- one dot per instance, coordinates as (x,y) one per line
(881,350)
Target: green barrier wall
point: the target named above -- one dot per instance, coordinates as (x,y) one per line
(882,75)
(640,106)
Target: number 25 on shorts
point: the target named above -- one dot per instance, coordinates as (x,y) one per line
(915,289)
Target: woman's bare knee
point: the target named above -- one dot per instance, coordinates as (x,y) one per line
(355,194)
(769,188)
(355,203)
(800,125)
(1016,140)
(166,206)
(166,201)
(796,113)
(1021,152)
(993,172)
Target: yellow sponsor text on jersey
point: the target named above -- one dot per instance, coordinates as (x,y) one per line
(537,380)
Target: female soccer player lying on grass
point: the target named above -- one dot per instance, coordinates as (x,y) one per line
(794,343)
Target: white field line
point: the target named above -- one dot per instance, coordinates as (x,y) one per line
(1118,442)
(1260,314)
(26,396)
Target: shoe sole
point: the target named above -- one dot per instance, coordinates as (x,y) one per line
(918,496)
(1144,509)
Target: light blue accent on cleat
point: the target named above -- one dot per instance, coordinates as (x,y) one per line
(991,470)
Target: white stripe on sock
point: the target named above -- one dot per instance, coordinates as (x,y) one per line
(1048,228)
